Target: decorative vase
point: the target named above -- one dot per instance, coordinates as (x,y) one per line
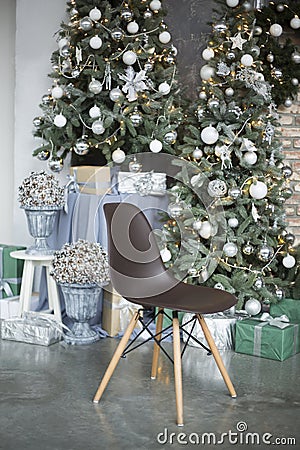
(81,301)
(40,224)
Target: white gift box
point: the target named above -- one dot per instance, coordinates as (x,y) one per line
(143,183)
(221,327)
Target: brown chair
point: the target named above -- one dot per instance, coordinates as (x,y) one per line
(139,275)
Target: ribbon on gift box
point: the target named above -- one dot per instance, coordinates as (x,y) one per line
(5,282)
(266,319)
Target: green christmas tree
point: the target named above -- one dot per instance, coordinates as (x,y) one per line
(114,85)
(233,140)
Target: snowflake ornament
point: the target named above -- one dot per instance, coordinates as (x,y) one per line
(134,83)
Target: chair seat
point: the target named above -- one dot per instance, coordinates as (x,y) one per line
(189,298)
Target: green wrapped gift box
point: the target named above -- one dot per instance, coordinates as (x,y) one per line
(10,271)
(256,338)
(289,307)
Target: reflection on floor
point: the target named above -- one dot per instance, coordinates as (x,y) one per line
(46,399)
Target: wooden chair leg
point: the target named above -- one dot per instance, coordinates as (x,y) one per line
(156,349)
(116,357)
(216,355)
(177,369)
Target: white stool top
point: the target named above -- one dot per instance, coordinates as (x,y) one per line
(21,254)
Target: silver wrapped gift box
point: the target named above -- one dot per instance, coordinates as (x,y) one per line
(33,329)
(221,327)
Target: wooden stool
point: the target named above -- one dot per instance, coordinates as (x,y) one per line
(30,262)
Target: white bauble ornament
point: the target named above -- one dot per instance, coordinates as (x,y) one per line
(202,95)
(250,158)
(209,135)
(208,54)
(155,146)
(165,254)
(258,190)
(164,37)
(95,42)
(62,42)
(95,86)
(132,27)
(232,3)
(155,5)
(229,92)
(247,60)
(97,127)
(253,307)
(295,81)
(60,120)
(295,23)
(129,57)
(94,112)
(205,230)
(115,94)
(233,222)
(95,14)
(197,153)
(57,92)
(164,88)
(207,72)
(230,249)
(288,261)
(276,29)
(118,156)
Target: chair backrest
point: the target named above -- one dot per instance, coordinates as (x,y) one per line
(134,256)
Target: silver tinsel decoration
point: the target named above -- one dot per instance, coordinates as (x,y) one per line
(81,262)
(40,189)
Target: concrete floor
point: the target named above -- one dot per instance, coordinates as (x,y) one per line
(46,399)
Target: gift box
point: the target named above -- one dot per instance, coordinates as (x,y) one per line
(10,307)
(143,183)
(287,306)
(11,270)
(116,312)
(257,338)
(92,179)
(38,329)
(222,329)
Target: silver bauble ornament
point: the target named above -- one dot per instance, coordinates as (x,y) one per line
(135,166)
(147,14)
(81,146)
(280,7)
(219,286)
(253,307)
(247,6)
(95,86)
(289,238)
(170,137)
(248,249)
(148,66)
(295,81)
(175,209)
(94,112)
(279,293)
(288,102)
(55,165)
(287,171)
(296,57)
(217,188)
(257,31)
(116,94)
(193,271)
(206,230)
(169,59)
(43,155)
(202,95)
(197,225)
(117,34)
(265,253)
(165,254)
(46,99)
(65,51)
(37,121)
(126,14)
(230,56)
(258,284)
(234,192)
(220,27)
(97,127)
(213,103)
(136,118)
(197,153)
(230,249)
(277,73)
(270,57)
(255,50)
(287,192)
(86,23)
(75,73)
